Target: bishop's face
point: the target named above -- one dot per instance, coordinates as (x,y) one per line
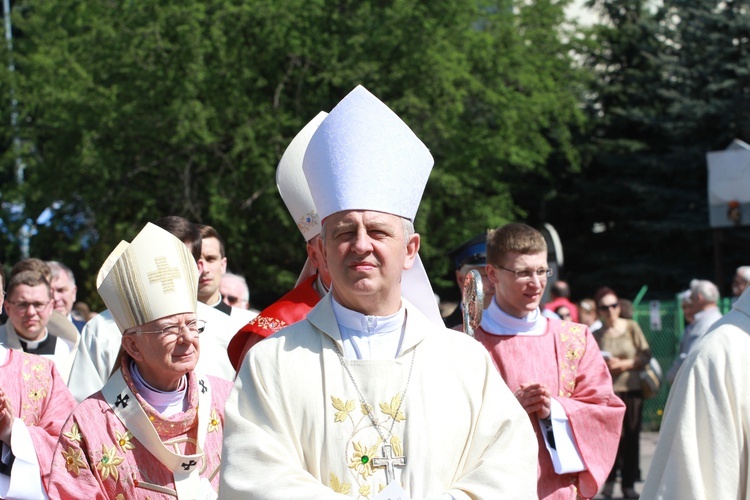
(365,253)
(163,357)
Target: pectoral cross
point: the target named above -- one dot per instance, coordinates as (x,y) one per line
(388,461)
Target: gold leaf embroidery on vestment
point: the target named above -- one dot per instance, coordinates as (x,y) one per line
(364,490)
(73,460)
(38,367)
(107,465)
(124,440)
(392,409)
(361,461)
(573,338)
(339,487)
(73,435)
(397,448)
(343,408)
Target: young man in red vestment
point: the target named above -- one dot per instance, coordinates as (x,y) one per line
(554,368)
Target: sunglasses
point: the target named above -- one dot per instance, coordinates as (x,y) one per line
(606,307)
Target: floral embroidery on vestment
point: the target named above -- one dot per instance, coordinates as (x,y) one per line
(266,323)
(573,339)
(339,487)
(74,434)
(365,443)
(107,465)
(124,440)
(73,460)
(214,421)
(37,379)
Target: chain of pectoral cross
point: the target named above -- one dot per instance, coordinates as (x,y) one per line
(388,460)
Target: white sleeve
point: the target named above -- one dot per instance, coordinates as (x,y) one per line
(566,457)
(25,481)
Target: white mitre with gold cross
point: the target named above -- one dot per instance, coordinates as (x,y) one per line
(152,277)
(364,157)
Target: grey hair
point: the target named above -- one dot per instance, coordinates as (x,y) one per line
(56,268)
(708,290)
(407,224)
(242,281)
(744,272)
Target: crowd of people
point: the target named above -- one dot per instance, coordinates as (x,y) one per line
(352,384)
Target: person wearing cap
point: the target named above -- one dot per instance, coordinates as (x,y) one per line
(155,428)
(100,340)
(313,281)
(469,256)
(553,367)
(370,395)
(34,403)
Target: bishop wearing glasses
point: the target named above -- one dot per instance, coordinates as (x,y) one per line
(155,429)
(553,367)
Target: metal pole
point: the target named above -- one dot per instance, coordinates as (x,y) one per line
(23,233)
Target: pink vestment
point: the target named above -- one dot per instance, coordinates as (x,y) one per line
(580,382)
(97,457)
(39,397)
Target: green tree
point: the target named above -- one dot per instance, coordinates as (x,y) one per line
(134,110)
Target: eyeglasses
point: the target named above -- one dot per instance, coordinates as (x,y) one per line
(607,307)
(528,274)
(233,300)
(23,306)
(196,327)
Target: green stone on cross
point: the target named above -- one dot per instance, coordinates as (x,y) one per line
(365,459)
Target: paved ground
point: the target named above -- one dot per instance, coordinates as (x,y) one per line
(648,444)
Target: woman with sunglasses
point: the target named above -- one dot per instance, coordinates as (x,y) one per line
(626,352)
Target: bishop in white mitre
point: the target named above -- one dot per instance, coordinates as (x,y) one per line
(371,396)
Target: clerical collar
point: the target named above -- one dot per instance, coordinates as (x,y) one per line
(498,322)
(3,355)
(320,286)
(223,306)
(369,337)
(166,403)
(45,345)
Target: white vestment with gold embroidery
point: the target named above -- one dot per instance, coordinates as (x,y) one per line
(295,426)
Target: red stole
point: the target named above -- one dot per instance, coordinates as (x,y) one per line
(289,309)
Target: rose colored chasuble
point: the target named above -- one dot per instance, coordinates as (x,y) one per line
(98,456)
(41,402)
(565,356)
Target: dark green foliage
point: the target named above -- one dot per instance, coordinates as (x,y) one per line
(133,110)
